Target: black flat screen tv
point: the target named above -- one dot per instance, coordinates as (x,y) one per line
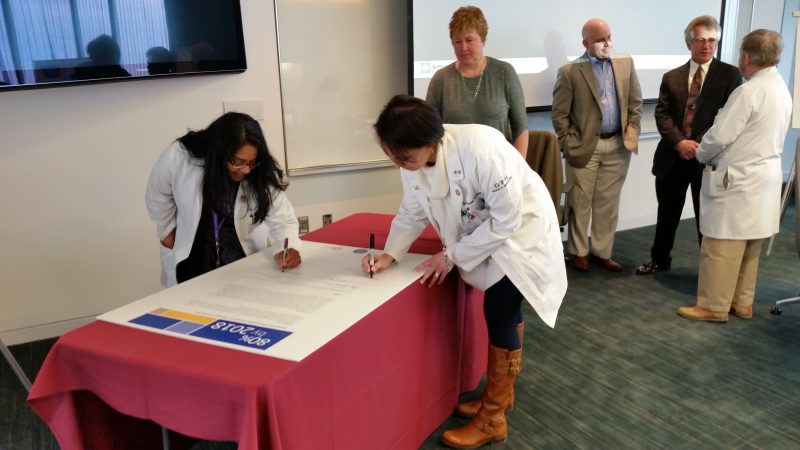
(45,43)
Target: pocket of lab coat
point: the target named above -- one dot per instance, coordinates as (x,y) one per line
(715,182)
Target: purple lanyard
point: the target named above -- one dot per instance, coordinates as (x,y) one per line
(217,225)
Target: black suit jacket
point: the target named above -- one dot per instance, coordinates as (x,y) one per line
(720,81)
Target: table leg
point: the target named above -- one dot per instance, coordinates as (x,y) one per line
(165,438)
(26,382)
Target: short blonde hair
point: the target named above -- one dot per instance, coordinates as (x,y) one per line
(763,46)
(469,18)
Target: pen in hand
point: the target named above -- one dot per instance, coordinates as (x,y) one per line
(285,252)
(371,253)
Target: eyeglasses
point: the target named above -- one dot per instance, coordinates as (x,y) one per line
(703,41)
(238,164)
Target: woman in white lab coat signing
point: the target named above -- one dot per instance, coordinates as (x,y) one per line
(497,224)
(217,195)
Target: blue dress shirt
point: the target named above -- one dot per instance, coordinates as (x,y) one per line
(609,105)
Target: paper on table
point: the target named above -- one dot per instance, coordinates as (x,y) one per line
(251,305)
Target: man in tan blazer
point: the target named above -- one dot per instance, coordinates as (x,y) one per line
(597,105)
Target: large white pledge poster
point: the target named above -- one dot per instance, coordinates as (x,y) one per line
(251,305)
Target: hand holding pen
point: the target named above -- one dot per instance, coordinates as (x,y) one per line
(371,265)
(288,258)
(371,254)
(285,252)
(378,265)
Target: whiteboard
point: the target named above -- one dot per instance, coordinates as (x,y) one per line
(340,62)
(539,36)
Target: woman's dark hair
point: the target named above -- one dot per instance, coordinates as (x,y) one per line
(407,123)
(217,144)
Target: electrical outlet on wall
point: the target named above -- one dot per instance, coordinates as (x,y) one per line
(327,219)
(303,224)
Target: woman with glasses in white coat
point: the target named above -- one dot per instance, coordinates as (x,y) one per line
(217,195)
(497,224)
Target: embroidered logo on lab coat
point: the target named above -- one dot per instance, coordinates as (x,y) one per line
(501,184)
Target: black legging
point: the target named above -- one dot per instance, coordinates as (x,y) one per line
(502,308)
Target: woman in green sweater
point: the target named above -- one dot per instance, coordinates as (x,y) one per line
(477,88)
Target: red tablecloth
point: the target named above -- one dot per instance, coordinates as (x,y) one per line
(386,382)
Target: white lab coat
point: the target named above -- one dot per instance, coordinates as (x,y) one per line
(741,188)
(174,199)
(492,212)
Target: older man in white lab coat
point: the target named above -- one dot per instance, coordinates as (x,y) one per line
(740,193)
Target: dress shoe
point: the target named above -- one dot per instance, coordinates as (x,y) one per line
(651,267)
(608,264)
(742,312)
(701,314)
(581,263)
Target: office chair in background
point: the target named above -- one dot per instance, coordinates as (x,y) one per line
(793,179)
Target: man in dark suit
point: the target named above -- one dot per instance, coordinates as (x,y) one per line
(688,101)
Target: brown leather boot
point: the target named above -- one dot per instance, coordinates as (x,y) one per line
(469,408)
(489,424)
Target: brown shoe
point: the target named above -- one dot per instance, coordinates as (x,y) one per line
(742,312)
(608,264)
(581,263)
(702,314)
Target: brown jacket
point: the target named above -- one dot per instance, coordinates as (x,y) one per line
(545,159)
(576,107)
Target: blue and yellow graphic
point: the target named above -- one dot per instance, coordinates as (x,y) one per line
(212,328)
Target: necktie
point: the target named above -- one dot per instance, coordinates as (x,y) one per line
(691,102)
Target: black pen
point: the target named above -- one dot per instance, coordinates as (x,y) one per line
(371,253)
(285,252)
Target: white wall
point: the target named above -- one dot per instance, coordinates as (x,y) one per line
(787,69)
